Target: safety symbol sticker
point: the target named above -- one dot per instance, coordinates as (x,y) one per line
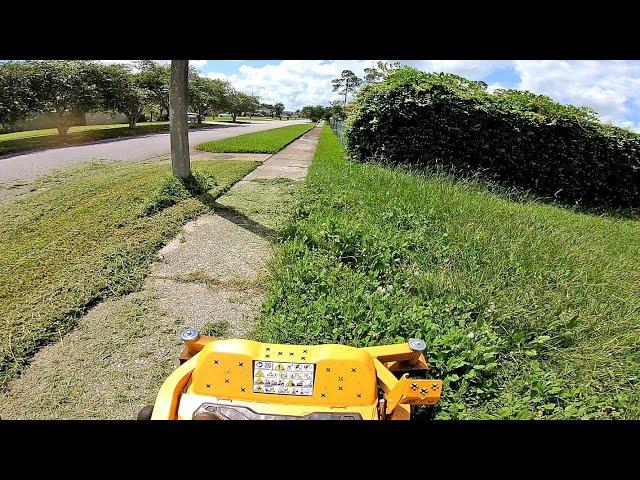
(283,378)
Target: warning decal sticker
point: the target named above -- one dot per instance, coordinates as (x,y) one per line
(283,378)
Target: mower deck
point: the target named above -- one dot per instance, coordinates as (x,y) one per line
(248,380)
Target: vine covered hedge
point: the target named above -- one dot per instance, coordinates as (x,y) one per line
(515,138)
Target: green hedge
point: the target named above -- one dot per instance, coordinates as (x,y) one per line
(513,137)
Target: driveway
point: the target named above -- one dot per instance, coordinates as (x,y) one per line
(29,165)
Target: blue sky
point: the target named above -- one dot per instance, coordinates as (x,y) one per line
(610,87)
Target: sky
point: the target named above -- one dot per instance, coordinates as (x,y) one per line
(610,87)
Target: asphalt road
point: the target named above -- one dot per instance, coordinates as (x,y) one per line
(29,165)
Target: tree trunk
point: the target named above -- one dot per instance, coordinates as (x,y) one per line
(180,161)
(63,126)
(234,117)
(132,121)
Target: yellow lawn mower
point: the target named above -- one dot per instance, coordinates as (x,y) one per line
(247,380)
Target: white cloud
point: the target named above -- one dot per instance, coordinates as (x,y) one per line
(130,62)
(217,75)
(610,87)
(198,63)
(630,125)
(473,69)
(297,83)
(111,62)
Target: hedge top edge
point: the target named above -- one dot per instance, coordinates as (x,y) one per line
(516,138)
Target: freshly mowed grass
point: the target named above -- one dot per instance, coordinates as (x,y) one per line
(268,201)
(228,118)
(89,234)
(109,366)
(76,129)
(48,138)
(267,141)
(528,310)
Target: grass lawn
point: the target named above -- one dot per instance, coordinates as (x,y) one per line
(267,141)
(528,310)
(85,235)
(228,118)
(47,138)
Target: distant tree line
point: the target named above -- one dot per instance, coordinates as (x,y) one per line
(67,89)
(314,113)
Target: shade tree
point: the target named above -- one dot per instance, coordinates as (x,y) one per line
(65,89)
(125,92)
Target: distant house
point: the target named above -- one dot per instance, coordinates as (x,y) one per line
(263,112)
(47,120)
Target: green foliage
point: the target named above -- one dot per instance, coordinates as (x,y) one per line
(266,141)
(207,95)
(65,88)
(314,112)
(124,92)
(80,238)
(239,103)
(174,190)
(68,89)
(156,78)
(278,108)
(345,83)
(381,71)
(335,110)
(216,329)
(525,307)
(512,137)
(18,99)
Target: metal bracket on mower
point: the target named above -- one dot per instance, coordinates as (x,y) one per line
(413,391)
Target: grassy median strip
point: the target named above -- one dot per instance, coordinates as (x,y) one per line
(89,234)
(528,310)
(229,118)
(48,138)
(267,141)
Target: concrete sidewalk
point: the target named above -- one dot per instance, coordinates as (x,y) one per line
(213,273)
(215,270)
